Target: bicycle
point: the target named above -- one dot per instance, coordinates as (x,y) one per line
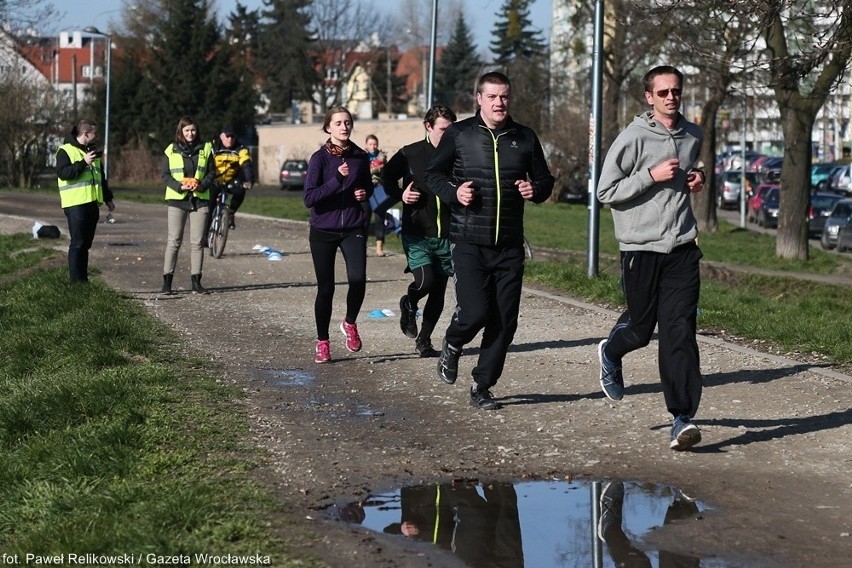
(220,222)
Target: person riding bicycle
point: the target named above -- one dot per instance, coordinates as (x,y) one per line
(233,169)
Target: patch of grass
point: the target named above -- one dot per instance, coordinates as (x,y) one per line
(565,226)
(290,207)
(114,442)
(21,251)
(796,315)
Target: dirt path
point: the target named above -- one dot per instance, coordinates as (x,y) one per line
(775,461)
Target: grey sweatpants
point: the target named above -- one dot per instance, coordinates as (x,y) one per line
(197,236)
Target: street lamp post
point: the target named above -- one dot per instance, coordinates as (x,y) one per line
(91,30)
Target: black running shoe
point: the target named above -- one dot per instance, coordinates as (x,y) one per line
(424,347)
(407,318)
(483,399)
(448,363)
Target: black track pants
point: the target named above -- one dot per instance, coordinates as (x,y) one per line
(661,290)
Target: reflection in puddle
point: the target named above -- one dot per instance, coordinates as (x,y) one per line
(289,377)
(534,524)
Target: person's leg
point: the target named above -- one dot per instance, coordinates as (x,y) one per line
(380,233)
(507,274)
(82,223)
(238,195)
(611,531)
(354,249)
(437,286)
(176,222)
(197,235)
(421,286)
(640,282)
(211,209)
(442,263)
(473,286)
(680,371)
(323,254)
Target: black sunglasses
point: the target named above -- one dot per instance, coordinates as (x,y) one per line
(665,93)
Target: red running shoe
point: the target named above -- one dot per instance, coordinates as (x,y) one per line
(323,354)
(353,340)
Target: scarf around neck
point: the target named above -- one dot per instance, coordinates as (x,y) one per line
(336,150)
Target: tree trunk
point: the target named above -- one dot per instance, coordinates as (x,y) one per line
(704,203)
(792,239)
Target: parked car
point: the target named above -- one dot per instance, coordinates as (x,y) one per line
(728,187)
(844,238)
(819,175)
(767,215)
(820,209)
(841,179)
(293,174)
(768,164)
(839,218)
(754,202)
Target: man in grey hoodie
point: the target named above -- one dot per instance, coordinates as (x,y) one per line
(647,179)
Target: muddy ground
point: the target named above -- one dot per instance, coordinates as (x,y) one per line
(775,460)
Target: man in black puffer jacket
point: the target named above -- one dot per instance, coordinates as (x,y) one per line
(486,168)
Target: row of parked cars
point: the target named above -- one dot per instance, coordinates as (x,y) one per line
(829,213)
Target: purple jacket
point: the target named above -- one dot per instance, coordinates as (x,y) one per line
(331,196)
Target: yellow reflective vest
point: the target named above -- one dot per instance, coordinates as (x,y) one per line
(176,169)
(83,189)
(227,163)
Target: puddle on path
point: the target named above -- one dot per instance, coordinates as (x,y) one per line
(534,524)
(288,377)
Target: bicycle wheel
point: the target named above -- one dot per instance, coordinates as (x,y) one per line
(219,236)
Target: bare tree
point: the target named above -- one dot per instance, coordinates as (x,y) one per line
(808,48)
(31,114)
(344,29)
(714,54)
(24,14)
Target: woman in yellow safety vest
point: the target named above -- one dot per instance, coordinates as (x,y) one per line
(82,189)
(188,180)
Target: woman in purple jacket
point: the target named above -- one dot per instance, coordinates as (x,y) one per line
(337,187)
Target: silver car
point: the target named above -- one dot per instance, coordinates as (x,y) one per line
(728,187)
(839,218)
(841,179)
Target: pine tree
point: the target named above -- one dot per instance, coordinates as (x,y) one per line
(456,71)
(174,62)
(183,68)
(240,88)
(282,56)
(521,53)
(513,36)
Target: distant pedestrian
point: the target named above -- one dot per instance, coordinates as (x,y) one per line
(337,186)
(83,188)
(188,174)
(486,168)
(425,230)
(377,164)
(647,179)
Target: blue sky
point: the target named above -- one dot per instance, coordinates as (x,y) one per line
(100,13)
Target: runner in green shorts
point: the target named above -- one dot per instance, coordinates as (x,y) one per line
(425,226)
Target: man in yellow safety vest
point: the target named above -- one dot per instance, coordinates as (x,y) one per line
(82,189)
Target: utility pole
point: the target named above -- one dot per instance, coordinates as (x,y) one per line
(388,100)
